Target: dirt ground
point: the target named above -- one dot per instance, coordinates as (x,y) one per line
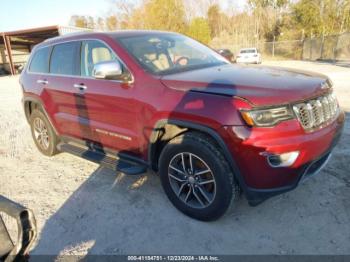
(82,208)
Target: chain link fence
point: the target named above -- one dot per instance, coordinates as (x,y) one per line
(329,48)
(291,50)
(269,50)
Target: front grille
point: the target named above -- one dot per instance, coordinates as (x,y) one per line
(318,112)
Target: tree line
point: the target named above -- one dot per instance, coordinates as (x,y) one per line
(204,20)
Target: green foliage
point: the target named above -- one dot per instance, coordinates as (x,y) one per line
(111,22)
(214,20)
(164,15)
(78,21)
(321,17)
(306,16)
(199,29)
(262,20)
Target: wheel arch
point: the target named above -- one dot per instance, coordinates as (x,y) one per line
(30,104)
(159,139)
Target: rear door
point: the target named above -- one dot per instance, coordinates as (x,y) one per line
(35,78)
(106,108)
(64,65)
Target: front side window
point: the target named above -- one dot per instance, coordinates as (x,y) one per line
(170,53)
(40,61)
(64,59)
(93,52)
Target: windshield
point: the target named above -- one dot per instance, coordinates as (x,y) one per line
(170,53)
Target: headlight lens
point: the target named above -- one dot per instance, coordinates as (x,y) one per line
(267,117)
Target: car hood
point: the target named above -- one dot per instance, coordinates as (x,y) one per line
(261,85)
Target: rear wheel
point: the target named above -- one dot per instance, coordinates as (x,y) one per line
(43,134)
(196,177)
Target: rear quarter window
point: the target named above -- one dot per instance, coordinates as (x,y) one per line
(40,61)
(65,59)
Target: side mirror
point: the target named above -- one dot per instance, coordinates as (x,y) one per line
(107,70)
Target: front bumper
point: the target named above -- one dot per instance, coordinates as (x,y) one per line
(249,146)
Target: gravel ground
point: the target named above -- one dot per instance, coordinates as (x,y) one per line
(82,208)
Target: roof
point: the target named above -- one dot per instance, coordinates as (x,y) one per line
(129,33)
(114,34)
(119,33)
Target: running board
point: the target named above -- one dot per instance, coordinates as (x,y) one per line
(105,160)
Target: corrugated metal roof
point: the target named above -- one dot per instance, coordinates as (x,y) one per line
(63,30)
(60,28)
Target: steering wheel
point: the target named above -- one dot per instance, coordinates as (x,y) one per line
(182,58)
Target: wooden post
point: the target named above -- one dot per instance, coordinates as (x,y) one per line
(7,43)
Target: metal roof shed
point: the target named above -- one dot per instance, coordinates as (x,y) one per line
(15,46)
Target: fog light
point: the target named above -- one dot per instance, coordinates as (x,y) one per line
(282,160)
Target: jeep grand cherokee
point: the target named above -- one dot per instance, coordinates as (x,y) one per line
(138,100)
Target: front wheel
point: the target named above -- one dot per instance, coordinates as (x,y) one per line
(196,177)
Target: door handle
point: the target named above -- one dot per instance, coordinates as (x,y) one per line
(42,81)
(80,86)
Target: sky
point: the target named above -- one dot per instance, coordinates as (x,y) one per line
(22,14)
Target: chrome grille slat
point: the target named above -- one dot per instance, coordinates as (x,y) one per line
(317,112)
(325,105)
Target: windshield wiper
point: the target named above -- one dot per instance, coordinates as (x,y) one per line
(188,68)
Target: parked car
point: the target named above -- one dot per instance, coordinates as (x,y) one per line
(227,54)
(249,56)
(138,100)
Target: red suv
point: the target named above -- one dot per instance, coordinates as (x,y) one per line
(138,100)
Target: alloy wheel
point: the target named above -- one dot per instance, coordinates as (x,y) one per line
(192,180)
(41,133)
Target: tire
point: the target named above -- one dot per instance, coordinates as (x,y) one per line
(205,155)
(43,134)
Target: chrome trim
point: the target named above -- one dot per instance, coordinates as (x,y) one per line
(287,163)
(109,133)
(318,112)
(48,45)
(81,87)
(107,70)
(44,82)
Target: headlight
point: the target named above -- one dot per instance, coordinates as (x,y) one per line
(267,117)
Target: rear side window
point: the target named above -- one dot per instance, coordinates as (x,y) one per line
(65,59)
(40,61)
